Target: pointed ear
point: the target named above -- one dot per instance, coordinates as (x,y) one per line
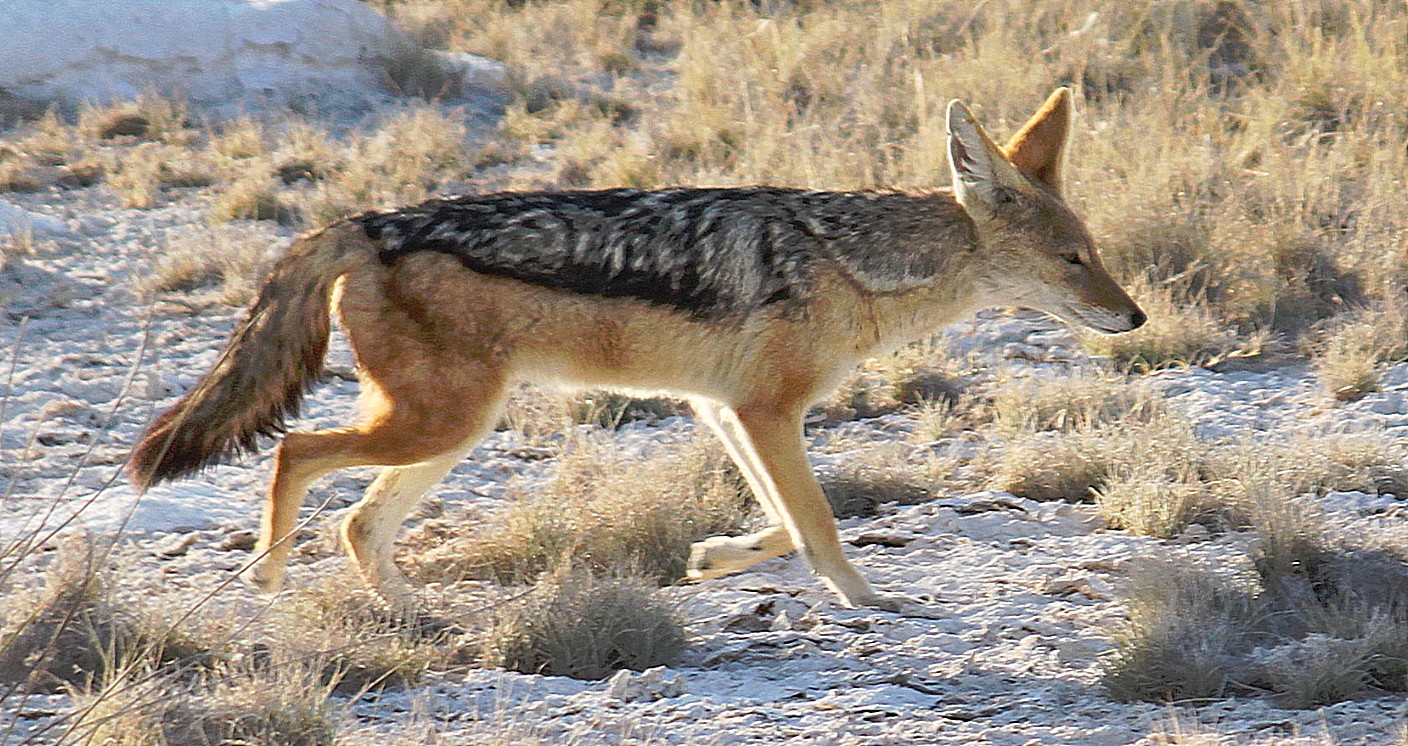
(1039,148)
(982,176)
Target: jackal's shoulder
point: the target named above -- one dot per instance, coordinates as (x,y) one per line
(710,252)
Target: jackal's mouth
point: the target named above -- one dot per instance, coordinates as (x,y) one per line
(1101,320)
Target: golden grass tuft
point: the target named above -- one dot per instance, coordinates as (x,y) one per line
(403,161)
(603,509)
(341,625)
(1076,465)
(251,196)
(876,476)
(1349,354)
(149,117)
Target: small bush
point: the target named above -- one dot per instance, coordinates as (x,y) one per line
(877,476)
(240,140)
(71,632)
(251,196)
(1185,632)
(137,178)
(587,625)
(942,418)
(1349,355)
(1058,467)
(1150,501)
(76,632)
(359,647)
(148,117)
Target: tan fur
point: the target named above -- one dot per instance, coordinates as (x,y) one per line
(438,345)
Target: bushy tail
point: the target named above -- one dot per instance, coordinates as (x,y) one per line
(272,359)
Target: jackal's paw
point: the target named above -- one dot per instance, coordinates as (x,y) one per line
(717,556)
(401,601)
(924,608)
(266,578)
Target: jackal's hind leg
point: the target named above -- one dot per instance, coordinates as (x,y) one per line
(717,556)
(720,555)
(369,530)
(420,434)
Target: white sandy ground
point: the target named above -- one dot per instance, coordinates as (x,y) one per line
(1021,596)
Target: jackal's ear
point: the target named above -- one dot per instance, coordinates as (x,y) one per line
(1039,148)
(982,176)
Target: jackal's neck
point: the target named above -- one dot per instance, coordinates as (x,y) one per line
(918,271)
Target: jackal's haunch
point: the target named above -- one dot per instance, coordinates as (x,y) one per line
(752,303)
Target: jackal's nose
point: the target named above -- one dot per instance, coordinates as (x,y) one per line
(1137,319)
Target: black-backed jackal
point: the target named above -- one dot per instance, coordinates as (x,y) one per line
(752,303)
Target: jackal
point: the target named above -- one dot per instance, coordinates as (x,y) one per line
(752,303)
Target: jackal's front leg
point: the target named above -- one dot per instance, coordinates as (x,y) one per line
(772,438)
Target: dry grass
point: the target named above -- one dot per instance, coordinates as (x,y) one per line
(580,623)
(409,156)
(603,509)
(1075,465)
(1150,501)
(1068,403)
(876,476)
(16,245)
(1367,461)
(222,263)
(339,625)
(251,196)
(1326,630)
(150,117)
(1183,636)
(241,139)
(1349,354)
(70,631)
(274,702)
(1315,618)
(136,178)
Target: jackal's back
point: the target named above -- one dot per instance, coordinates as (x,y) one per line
(711,253)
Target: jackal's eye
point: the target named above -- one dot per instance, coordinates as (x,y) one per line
(1073,259)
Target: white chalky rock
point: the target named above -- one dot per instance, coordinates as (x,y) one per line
(16,220)
(319,54)
(648,685)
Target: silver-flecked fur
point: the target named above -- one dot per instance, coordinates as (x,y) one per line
(711,253)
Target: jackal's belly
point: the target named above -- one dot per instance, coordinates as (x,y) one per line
(642,351)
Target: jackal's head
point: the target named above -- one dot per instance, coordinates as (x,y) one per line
(1035,251)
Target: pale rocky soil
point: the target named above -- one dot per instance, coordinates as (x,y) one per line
(1020,597)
